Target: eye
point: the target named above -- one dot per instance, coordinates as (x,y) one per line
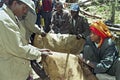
(25,7)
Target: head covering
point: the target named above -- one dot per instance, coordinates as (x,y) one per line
(74,7)
(59,3)
(100,29)
(30,4)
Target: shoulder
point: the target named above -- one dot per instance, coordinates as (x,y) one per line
(82,18)
(109,41)
(2,14)
(54,13)
(66,12)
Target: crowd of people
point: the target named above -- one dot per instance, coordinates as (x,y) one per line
(19,19)
(64,21)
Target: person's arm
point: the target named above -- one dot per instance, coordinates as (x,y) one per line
(110,55)
(86,62)
(65,27)
(29,23)
(53,21)
(85,27)
(15,44)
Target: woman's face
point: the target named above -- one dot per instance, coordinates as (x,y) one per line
(94,37)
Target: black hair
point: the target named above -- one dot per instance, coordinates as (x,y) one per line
(59,3)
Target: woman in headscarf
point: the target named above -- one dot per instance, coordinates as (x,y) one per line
(100,51)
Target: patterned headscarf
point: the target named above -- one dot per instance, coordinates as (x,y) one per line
(100,29)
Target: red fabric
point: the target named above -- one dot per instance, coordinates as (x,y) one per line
(47,5)
(99,33)
(100,29)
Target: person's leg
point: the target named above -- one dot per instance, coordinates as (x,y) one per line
(117,73)
(47,18)
(38,19)
(115,69)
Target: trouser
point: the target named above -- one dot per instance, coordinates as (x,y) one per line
(115,69)
(47,19)
(89,54)
(38,19)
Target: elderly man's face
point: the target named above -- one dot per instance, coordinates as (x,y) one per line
(20,9)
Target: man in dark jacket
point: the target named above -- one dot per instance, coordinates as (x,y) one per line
(60,20)
(100,51)
(79,24)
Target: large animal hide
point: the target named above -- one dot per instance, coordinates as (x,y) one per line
(64,66)
(65,43)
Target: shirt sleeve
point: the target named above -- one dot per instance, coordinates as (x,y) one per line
(85,25)
(15,44)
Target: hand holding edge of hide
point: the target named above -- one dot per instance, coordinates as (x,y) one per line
(45,53)
(43,34)
(78,36)
(86,62)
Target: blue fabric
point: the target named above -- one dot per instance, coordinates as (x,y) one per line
(74,7)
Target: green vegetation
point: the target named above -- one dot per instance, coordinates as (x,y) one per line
(103,10)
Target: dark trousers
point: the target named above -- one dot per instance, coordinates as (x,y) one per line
(47,19)
(115,69)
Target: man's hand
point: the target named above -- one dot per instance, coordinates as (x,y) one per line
(45,53)
(43,34)
(86,62)
(78,36)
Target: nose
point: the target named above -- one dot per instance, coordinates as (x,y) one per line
(25,11)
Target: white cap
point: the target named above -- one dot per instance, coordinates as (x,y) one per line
(30,4)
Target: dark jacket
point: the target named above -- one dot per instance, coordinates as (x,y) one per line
(102,57)
(81,26)
(60,22)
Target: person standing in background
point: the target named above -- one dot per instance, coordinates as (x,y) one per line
(38,12)
(47,13)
